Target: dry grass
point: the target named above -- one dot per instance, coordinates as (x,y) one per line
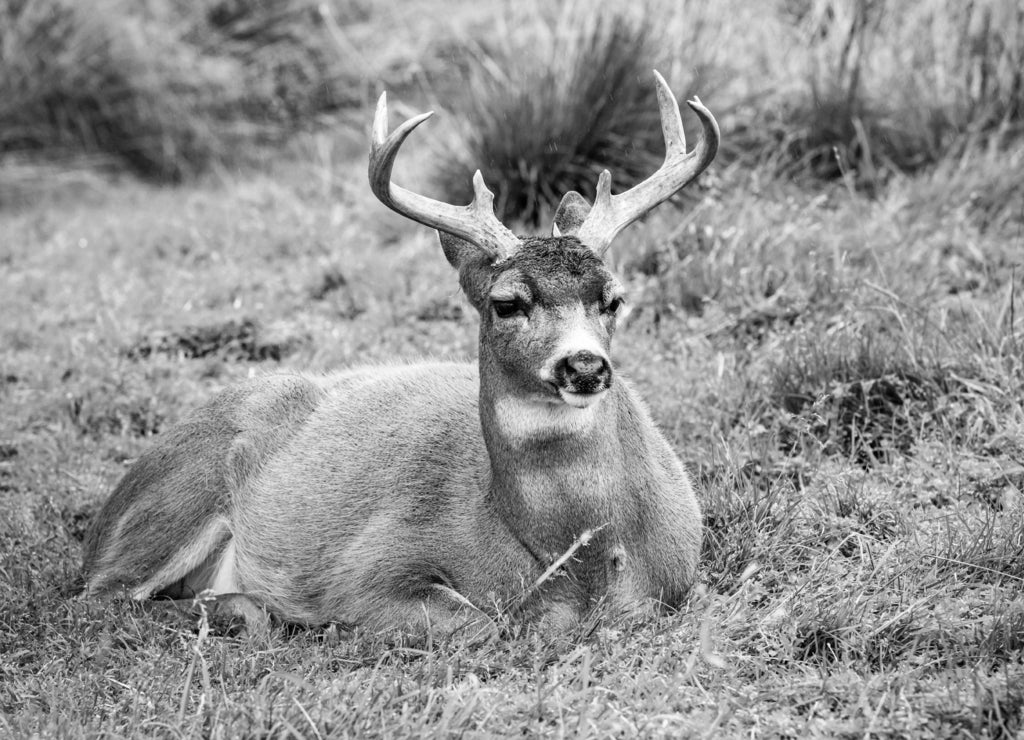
(860,91)
(844,374)
(886,88)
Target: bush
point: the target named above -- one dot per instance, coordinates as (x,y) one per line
(287,57)
(814,88)
(893,87)
(166,89)
(75,80)
(544,112)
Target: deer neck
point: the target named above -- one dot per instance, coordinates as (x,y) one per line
(555,470)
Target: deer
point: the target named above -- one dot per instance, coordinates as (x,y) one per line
(425,496)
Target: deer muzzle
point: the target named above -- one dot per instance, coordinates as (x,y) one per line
(582,374)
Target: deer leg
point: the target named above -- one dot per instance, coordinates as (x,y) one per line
(449,612)
(227,612)
(435,610)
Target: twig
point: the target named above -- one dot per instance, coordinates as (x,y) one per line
(582,541)
(975,566)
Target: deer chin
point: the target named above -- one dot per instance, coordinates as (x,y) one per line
(581,400)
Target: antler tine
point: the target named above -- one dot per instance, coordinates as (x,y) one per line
(612,213)
(476,223)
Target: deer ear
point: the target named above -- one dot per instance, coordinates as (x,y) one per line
(472,264)
(457,251)
(571,213)
(461,253)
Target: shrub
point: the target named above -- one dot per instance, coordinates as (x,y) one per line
(75,80)
(166,89)
(290,65)
(544,112)
(818,88)
(893,87)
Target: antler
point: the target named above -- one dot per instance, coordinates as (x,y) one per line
(612,213)
(476,223)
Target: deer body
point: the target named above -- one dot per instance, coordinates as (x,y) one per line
(482,526)
(417,496)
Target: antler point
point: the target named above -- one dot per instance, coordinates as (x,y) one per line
(604,188)
(380,120)
(610,214)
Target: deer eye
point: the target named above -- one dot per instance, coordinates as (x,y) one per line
(508,309)
(613,306)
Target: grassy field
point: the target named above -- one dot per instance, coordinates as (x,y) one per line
(833,343)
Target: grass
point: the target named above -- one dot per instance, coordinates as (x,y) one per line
(841,368)
(165,90)
(874,89)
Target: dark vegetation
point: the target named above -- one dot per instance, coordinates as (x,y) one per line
(544,114)
(241,340)
(166,89)
(885,90)
(171,89)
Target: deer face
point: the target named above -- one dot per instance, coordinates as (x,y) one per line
(547,305)
(547,317)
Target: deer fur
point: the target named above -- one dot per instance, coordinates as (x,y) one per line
(417,496)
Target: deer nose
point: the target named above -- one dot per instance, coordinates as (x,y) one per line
(584,372)
(585,363)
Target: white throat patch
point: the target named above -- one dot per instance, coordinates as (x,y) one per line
(523,420)
(581,400)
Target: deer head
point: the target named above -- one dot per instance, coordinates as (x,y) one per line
(547,304)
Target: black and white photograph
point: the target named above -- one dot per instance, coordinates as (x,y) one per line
(486,369)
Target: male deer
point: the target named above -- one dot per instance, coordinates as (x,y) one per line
(414,496)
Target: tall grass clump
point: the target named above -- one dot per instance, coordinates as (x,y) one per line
(164,89)
(895,87)
(84,80)
(286,50)
(869,389)
(546,108)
